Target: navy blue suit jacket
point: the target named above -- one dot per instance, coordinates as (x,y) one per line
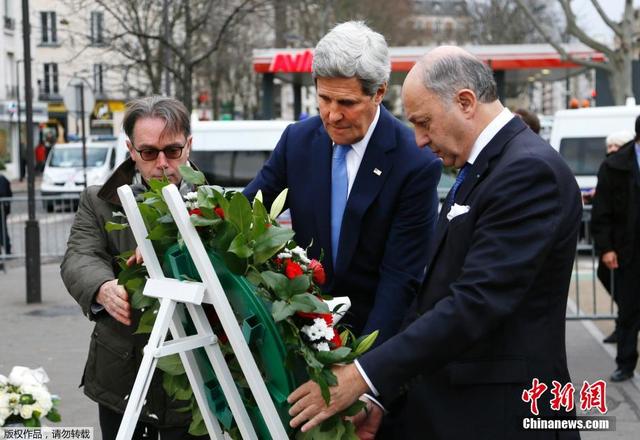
(490,316)
(388,220)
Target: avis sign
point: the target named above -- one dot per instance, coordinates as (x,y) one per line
(292,63)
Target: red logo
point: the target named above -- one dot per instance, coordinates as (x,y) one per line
(562,396)
(533,394)
(594,396)
(292,63)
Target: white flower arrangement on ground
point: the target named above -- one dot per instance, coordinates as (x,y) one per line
(24,398)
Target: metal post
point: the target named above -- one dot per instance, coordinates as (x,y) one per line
(20,151)
(32,228)
(84,136)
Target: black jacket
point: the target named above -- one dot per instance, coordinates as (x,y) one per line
(615,205)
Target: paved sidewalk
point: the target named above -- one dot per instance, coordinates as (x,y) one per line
(55,335)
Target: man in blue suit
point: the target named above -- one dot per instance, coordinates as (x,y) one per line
(490,317)
(361,192)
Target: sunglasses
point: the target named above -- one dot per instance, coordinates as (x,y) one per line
(170,152)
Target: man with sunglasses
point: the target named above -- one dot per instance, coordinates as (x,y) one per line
(159,142)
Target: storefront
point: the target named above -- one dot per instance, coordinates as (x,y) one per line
(11,152)
(510,63)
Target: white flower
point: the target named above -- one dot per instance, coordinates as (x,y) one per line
(20,376)
(193,195)
(3,380)
(301,253)
(319,330)
(26,411)
(284,255)
(322,346)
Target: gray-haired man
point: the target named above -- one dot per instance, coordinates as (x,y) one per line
(159,142)
(360,189)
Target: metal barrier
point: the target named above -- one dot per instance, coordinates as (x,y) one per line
(55,216)
(588,297)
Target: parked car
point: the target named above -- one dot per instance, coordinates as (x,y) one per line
(579,135)
(64,174)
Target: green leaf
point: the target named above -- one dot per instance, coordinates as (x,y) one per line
(260,219)
(197,426)
(235,264)
(309,356)
(112,226)
(278,204)
(353,409)
(333,356)
(53,415)
(240,213)
(299,284)
(197,220)
(277,282)
(147,320)
(171,364)
(350,431)
(281,310)
(269,243)
(366,343)
(192,176)
(26,399)
(31,423)
(156,185)
(306,302)
(240,247)
(177,386)
(141,301)
(160,231)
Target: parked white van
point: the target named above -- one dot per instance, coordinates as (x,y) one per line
(63,171)
(579,135)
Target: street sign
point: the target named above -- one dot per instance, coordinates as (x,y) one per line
(71,96)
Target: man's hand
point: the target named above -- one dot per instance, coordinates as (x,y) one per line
(368,421)
(308,404)
(136,258)
(115,300)
(610,259)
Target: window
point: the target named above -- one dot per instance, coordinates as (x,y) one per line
(51,79)
(48,27)
(98,76)
(97,26)
(583,155)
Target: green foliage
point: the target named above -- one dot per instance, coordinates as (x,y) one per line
(248,238)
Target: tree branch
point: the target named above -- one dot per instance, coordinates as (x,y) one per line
(613,25)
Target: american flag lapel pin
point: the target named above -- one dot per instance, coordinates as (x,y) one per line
(377,172)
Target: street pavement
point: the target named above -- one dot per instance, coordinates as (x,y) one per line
(55,335)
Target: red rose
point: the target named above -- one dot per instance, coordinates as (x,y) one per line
(328,317)
(219,211)
(336,341)
(319,276)
(195,211)
(292,269)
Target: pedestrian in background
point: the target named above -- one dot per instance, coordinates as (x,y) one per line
(615,225)
(5,210)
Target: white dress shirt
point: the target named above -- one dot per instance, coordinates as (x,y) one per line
(355,155)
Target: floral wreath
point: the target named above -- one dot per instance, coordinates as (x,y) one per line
(254,245)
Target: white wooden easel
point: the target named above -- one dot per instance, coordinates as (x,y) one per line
(172,292)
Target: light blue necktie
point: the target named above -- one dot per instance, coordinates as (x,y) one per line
(339,193)
(459,179)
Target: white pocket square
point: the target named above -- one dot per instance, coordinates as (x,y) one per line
(457,210)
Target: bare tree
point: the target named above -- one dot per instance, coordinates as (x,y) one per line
(619,56)
(504,22)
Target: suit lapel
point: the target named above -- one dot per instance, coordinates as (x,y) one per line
(321,193)
(476,174)
(373,172)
